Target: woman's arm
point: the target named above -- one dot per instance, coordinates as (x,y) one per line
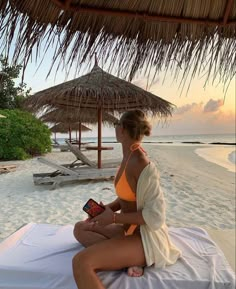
(129,218)
(109,217)
(115,205)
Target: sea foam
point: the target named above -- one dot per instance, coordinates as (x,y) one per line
(221,155)
(232,157)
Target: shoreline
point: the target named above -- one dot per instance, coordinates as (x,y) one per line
(200,184)
(219,155)
(176,143)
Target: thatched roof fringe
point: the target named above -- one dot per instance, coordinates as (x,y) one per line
(3,5)
(85,116)
(175,44)
(65,127)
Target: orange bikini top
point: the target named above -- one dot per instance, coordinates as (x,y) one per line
(123,189)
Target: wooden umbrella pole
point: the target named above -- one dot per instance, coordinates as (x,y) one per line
(99,137)
(70,134)
(80,129)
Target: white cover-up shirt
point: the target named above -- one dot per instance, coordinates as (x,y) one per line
(157,246)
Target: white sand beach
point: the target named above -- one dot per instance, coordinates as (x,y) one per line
(198,192)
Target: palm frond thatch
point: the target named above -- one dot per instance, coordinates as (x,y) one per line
(101,92)
(99,89)
(85,116)
(185,36)
(66,127)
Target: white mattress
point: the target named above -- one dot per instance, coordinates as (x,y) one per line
(38,256)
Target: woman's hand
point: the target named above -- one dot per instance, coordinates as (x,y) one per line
(105,218)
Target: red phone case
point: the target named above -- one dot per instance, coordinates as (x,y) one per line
(92,208)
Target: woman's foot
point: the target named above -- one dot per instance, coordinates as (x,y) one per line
(135,271)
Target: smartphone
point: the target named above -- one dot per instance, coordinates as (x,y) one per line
(92,208)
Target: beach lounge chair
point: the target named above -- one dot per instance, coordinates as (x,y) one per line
(64,175)
(86,161)
(39,256)
(7,168)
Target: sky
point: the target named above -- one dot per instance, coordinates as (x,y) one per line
(201,109)
(209,110)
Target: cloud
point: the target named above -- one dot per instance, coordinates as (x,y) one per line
(213,105)
(188,108)
(193,119)
(210,106)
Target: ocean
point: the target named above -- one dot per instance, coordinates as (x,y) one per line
(201,138)
(223,154)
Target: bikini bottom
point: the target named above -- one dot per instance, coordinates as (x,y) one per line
(131,230)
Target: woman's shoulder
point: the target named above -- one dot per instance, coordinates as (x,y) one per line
(149,170)
(138,164)
(135,168)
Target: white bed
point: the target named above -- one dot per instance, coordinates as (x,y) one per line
(38,256)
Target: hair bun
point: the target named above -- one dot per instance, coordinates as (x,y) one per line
(135,122)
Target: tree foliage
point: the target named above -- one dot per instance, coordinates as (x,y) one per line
(11,96)
(22,135)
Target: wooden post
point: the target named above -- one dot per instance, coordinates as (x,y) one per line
(80,129)
(99,137)
(69,134)
(76,136)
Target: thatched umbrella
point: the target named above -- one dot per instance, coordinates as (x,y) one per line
(71,116)
(69,127)
(176,34)
(100,91)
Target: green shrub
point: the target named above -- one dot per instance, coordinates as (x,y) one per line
(22,135)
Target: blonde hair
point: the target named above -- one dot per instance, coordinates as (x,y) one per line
(136,124)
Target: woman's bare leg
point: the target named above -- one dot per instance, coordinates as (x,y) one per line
(89,234)
(126,252)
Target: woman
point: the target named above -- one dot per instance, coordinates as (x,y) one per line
(137,236)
